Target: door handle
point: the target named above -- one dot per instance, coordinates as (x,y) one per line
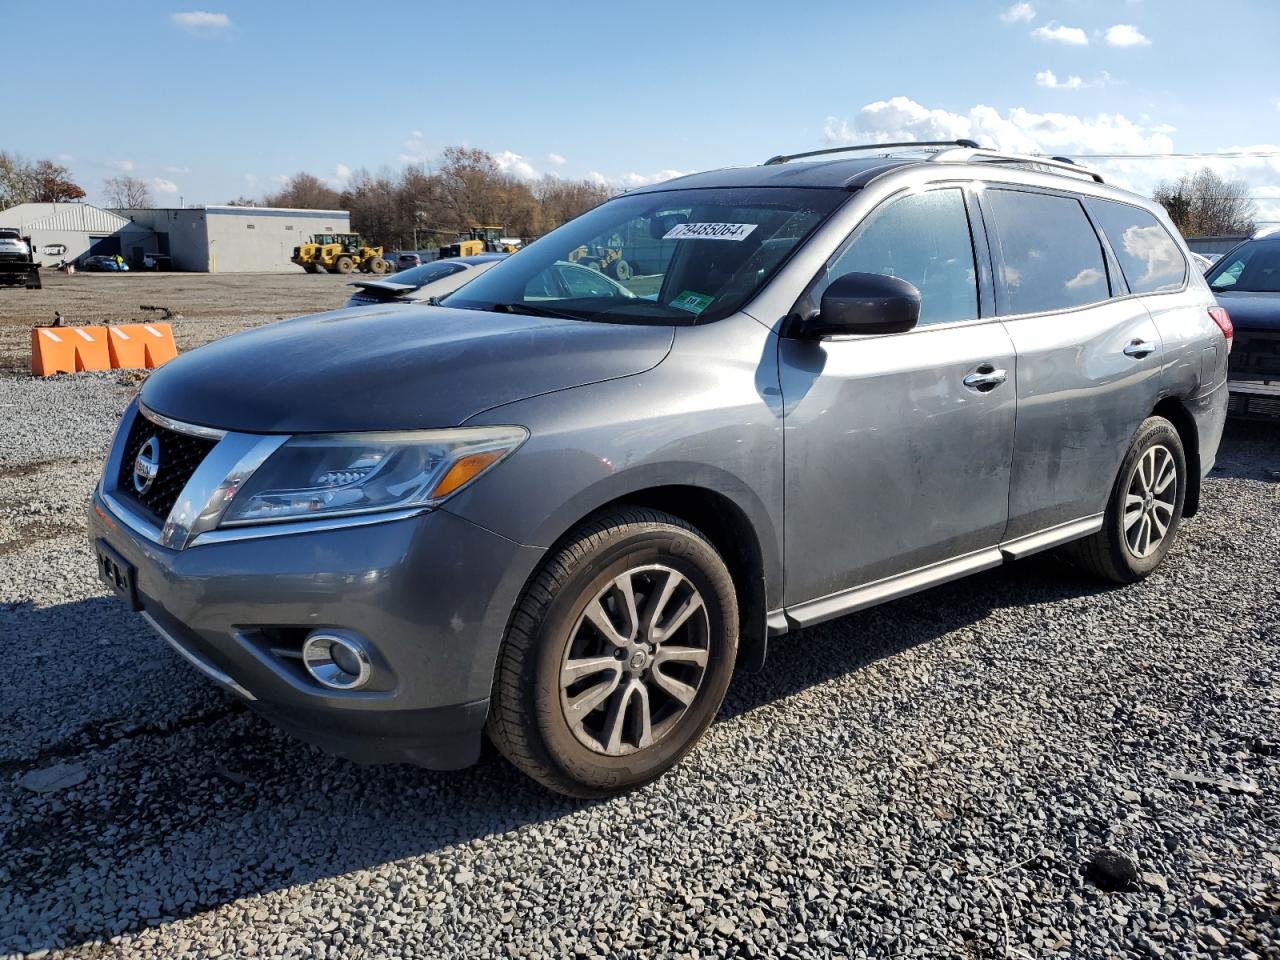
(986,378)
(1139,349)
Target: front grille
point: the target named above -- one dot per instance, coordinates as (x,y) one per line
(180,454)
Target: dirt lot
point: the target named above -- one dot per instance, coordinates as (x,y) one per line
(211,305)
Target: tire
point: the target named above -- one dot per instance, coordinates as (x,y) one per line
(621,270)
(602,750)
(312,268)
(343,265)
(1118,551)
(378,266)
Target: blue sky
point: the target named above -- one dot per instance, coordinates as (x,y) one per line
(214,102)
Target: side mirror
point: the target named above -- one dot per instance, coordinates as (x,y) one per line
(864,303)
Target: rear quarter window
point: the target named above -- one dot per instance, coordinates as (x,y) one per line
(1050,256)
(1149,257)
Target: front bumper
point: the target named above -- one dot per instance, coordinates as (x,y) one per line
(431,594)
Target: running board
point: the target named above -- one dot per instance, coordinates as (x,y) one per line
(1053,537)
(891,588)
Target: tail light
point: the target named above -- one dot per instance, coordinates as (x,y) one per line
(1223,320)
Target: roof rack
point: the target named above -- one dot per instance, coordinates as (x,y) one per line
(967,154)
(908,145)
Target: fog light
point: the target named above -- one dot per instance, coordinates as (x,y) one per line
(336,660)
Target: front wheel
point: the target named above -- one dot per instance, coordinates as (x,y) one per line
(618,655)
(1145,508)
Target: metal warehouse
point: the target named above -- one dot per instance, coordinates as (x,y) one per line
(225,239)
(73,231)
(213,239)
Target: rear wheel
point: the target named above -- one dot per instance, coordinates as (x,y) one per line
(618,655)
(379,266)
(621,270)
(343,265)
(1145,508)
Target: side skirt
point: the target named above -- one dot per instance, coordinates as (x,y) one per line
(900,585)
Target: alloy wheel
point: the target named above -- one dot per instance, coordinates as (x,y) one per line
(1149,501)
(635,660)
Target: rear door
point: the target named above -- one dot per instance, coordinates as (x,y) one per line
(897,448)
(1088,362)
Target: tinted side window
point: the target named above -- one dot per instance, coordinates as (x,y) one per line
(1051,258)
(924,239)
(1151,261)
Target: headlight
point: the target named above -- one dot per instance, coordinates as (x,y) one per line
(340,474)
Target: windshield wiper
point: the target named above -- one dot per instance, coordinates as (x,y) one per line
(533,311)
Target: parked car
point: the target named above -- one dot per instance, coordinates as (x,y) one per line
(420,284)
(1246,280)
(566,515)
(103,263)
(1202,261)
(405,261)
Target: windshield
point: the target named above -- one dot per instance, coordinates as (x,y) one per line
(421,276)
(1251,268)
(678,256)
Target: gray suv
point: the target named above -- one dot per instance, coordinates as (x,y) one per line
(564,510)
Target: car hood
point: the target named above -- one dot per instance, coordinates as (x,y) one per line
(1252,311)
(394,367)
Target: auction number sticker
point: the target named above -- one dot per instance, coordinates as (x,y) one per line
(695,303)
(709,231)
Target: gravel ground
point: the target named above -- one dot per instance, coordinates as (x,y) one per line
(931,778)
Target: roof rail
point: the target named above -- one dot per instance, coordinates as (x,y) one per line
(979,155)
(910,145)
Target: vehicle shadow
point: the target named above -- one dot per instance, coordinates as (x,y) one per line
(192,801)
(1250,450)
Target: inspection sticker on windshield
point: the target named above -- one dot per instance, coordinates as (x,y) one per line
(709,231)
(695,303)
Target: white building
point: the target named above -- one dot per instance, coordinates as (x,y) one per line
(213,239)
(73,231)
(223,239)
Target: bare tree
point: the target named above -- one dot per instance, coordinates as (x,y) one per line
(126,193)
(1202,204)
(304,191)
(427,207)
(40,182)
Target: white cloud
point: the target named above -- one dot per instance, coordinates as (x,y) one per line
(556,160)
(67,158)
(1047,78)
(1064,134)
(341,174)
(125,165)
(164,186)
(1126,35)
(177,169)
(1019,13)
(201,21)
(1072,36)
(628,181)
(416,149)
(515,165)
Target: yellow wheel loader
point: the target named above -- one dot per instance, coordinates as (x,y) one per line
(339,253)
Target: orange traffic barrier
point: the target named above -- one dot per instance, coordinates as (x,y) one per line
(68,350)
(118,347)
(157,342)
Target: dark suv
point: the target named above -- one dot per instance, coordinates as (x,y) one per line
(565,508)
(1246,281)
